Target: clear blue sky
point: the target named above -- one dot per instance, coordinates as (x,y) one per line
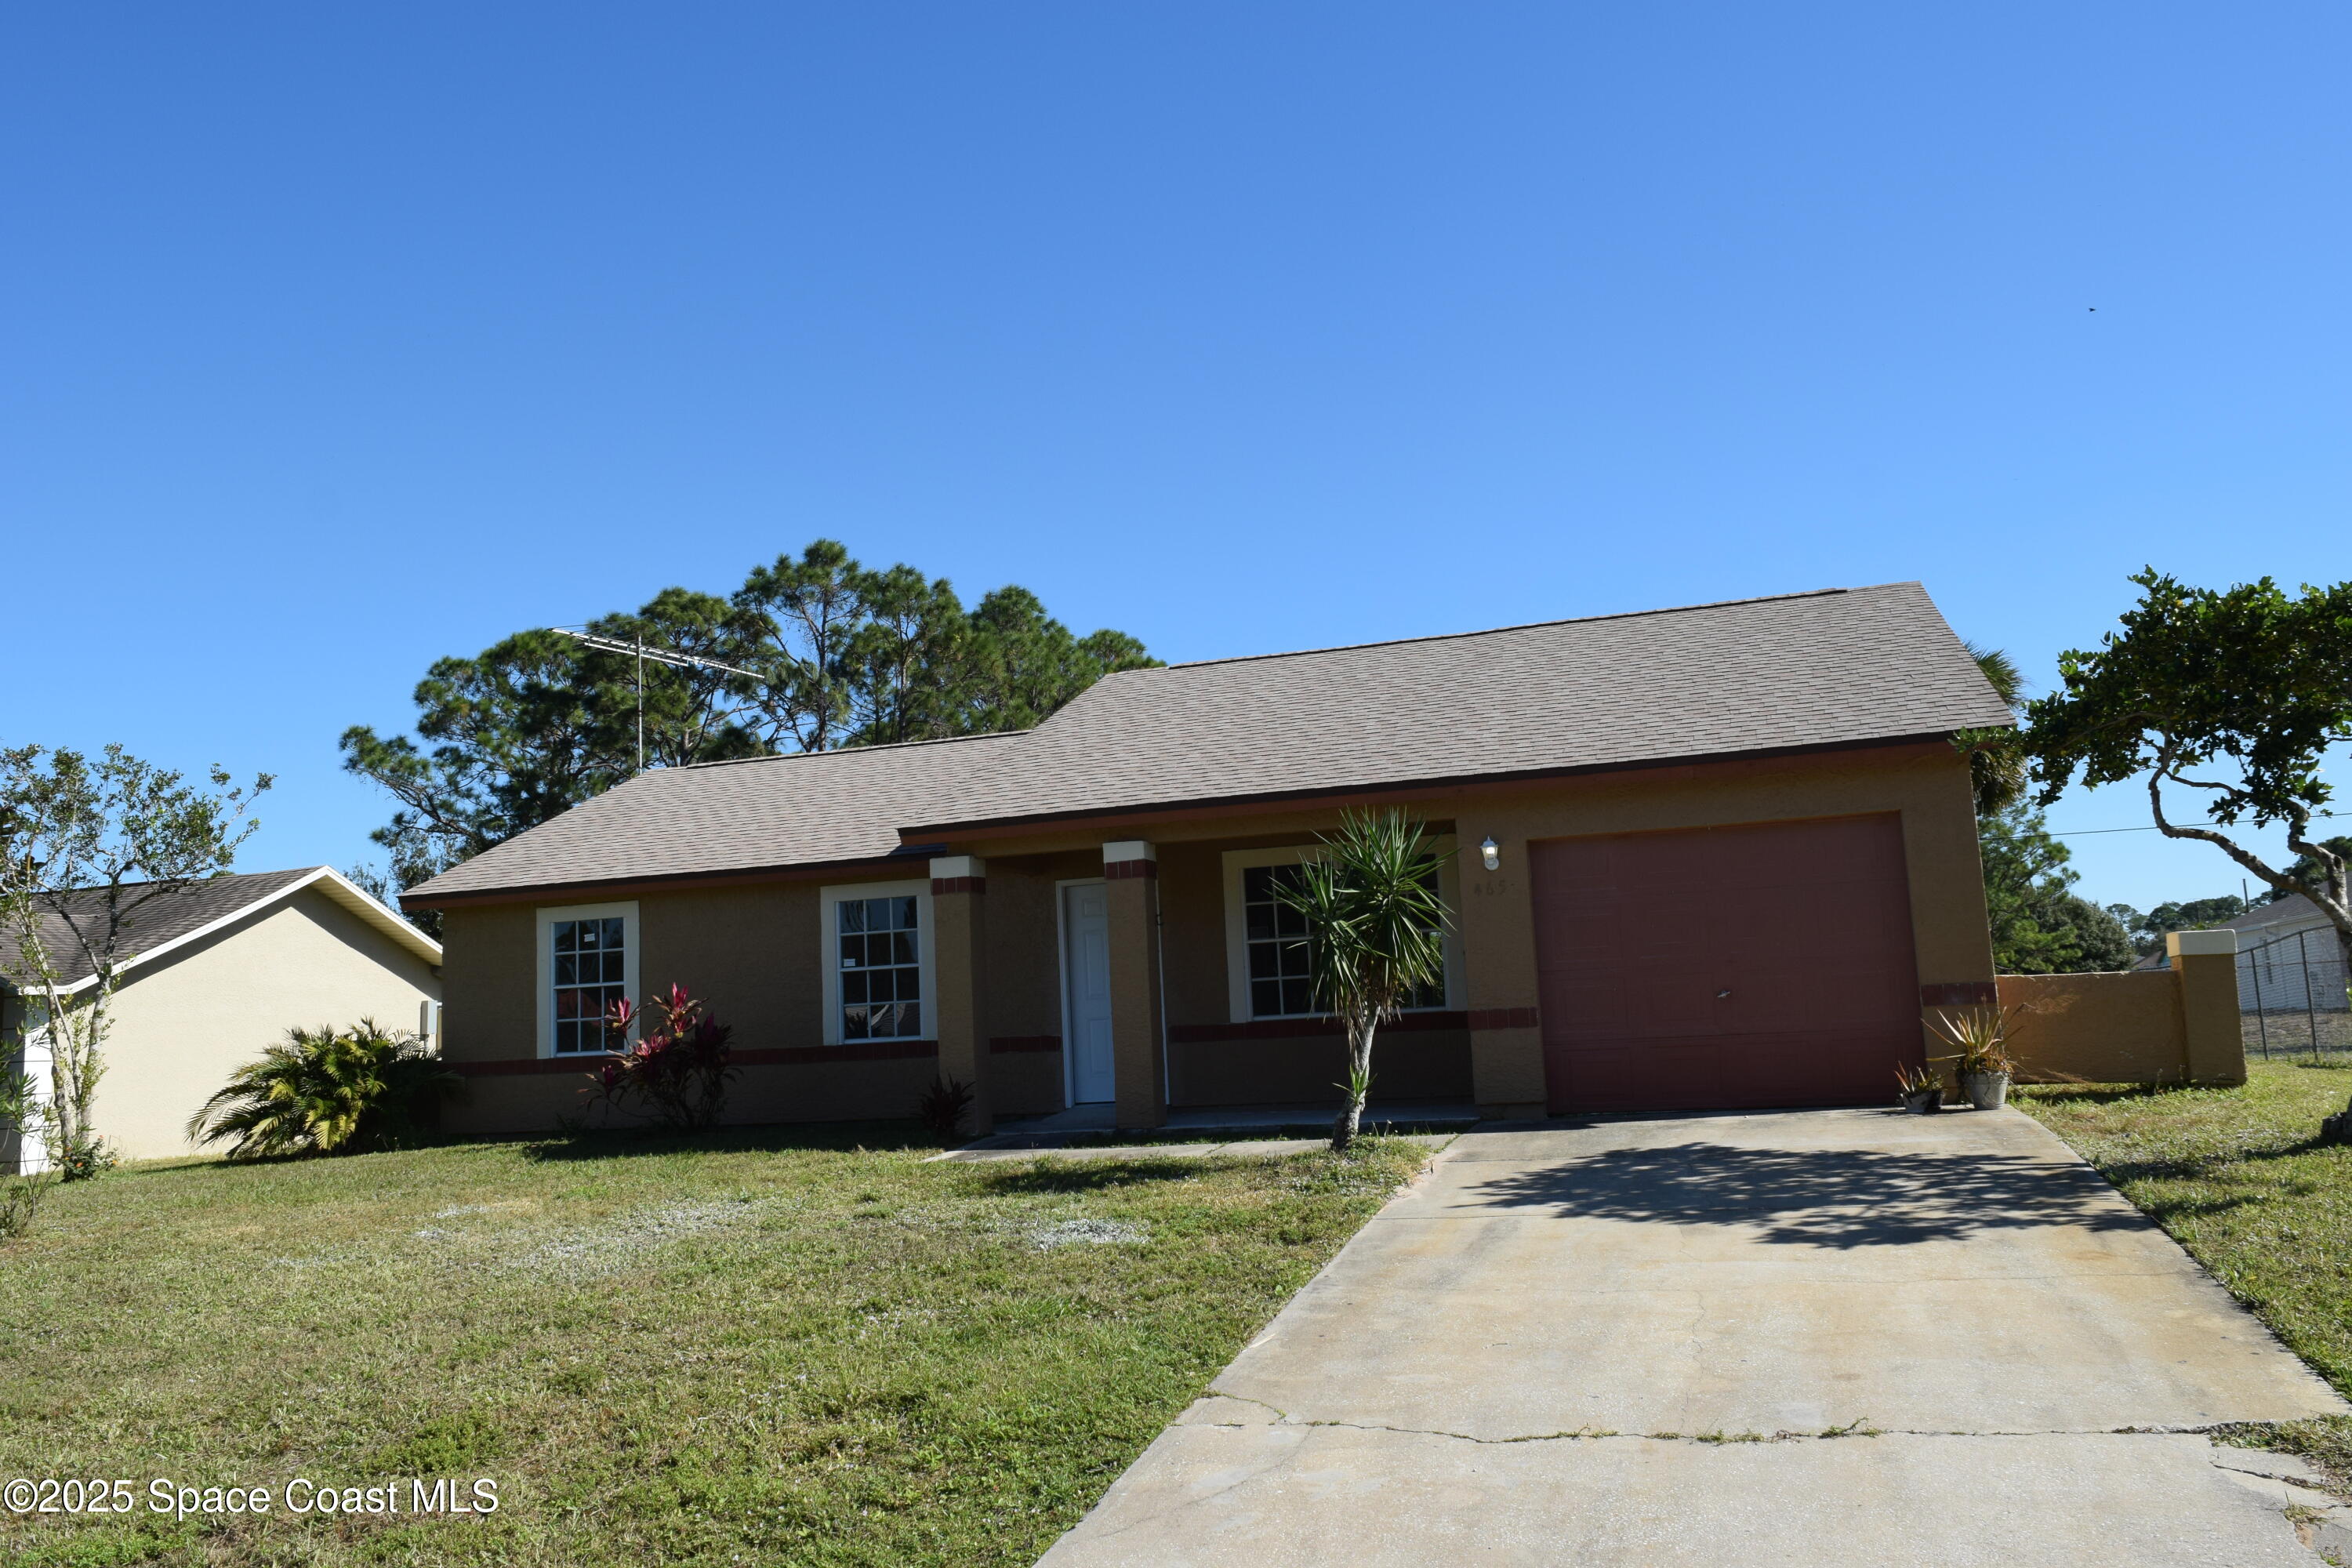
(333,338)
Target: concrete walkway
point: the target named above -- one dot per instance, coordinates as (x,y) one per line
(1820,1337)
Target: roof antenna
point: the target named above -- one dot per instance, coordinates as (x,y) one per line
(660,656)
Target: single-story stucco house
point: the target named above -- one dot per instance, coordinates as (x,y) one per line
(221,970)
(1712,856)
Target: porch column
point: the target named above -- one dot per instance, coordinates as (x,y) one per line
(1139,1048)
(2205,967)
(1498,960)
(960,1010)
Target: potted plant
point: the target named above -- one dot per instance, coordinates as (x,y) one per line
(1918,1090)
(1979,1038)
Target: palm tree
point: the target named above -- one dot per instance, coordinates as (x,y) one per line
(327,1092)
(1375,932)
(1996,759)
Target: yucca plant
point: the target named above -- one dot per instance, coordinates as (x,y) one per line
(329,1091)
(1979,1037)
(1910,1081)
(1375,934)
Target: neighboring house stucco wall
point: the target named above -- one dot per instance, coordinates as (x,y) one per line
(184,1025)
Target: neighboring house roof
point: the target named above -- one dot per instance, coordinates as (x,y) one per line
(174,919)
(2294,910)
(1843,667)
(2263,923)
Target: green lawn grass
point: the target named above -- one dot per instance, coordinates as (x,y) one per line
(762,1347)
(2240,1178)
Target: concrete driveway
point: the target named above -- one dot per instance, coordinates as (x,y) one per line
(1818,1337)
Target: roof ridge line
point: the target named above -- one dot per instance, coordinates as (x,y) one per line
(837,750)
(1517,626)
(200,881)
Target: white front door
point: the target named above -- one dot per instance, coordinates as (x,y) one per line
(1085,1000)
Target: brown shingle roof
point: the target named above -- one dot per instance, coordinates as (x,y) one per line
(812,808)
(1755,675)
(1843,667)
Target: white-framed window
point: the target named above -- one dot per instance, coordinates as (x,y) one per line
(587,962)
(1266,944)
(877,961)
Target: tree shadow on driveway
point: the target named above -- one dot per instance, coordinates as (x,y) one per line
(1819,1198)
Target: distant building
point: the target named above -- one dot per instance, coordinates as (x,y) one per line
(2288,958)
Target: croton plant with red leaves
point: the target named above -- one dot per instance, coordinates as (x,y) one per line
(675,1071)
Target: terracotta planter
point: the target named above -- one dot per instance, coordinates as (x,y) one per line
(1986,1091)
(1926,1103)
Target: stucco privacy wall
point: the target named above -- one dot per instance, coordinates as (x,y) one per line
(185,1024)
(2163,1025)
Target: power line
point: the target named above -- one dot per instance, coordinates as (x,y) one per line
(2151,827)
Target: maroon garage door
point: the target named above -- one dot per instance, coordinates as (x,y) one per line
(1725,967)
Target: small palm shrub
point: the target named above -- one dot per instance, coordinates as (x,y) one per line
(329,1091)
(675,1073)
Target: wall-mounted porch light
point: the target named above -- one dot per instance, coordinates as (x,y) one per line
(1490,855)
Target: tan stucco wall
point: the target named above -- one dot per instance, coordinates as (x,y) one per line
(2096,1028)
(184,1025)
(1927,785)
(2161,1026)
(848,1090)
(750,951)
(489,982)
(753,949)
(1418,1065)
(1026,1083)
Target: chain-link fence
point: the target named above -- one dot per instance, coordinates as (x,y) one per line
(2290,995)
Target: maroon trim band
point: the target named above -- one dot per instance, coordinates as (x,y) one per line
(1119,870)
(959,885)
(1503,1018)
(1962,994)
(1006,1045)
(1307,1028)
(584,1063)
